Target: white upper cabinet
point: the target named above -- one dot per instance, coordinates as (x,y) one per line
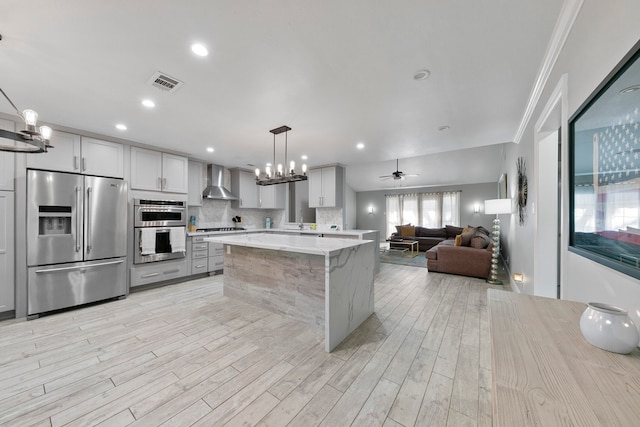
(175,173)
(326,187)
(243,185)
(64,156)
(7,159)
(102,158)
(156,171)
(197,183)
(271,196)
(72,153)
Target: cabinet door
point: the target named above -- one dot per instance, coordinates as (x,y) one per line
(329,187)
(175,173)
(272,196)
(64,157)
(102,158)
(146,169)
(7,253)
(315,188)
(7,159)
(196,183)
(248,190)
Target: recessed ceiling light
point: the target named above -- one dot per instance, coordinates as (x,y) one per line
(304,157)
(630,89)
(443,128)
(210,149)
(120,126)
(199,49)
(422,75)
(269,164)
(148,103)
(360,146)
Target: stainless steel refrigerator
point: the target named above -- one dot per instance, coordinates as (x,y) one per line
(76,240)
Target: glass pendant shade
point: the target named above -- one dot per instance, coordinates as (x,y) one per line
(45,132)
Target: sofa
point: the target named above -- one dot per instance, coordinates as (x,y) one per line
(469,254)
(426,237)
(464,260)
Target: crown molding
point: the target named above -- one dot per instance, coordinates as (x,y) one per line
(567,17)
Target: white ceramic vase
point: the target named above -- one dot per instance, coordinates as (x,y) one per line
(609,328)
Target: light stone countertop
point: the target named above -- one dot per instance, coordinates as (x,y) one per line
(295,231)
(280,242)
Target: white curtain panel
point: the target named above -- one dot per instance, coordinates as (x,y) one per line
(431,210)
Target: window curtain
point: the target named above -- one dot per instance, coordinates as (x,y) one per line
(431,210)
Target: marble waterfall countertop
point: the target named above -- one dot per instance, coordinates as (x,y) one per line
(289,243)
(293,231)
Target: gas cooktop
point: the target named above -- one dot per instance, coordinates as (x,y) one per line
(207,230)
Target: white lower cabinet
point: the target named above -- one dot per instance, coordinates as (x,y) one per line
(199,255)
(216,256)
(7,252)
(153,272)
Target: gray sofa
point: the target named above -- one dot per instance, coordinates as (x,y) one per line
(426,237)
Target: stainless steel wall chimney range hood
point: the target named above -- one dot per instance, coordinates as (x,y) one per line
(215,190)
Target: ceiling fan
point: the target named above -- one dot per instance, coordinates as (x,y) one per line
(398,174)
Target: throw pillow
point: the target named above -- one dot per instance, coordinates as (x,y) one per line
(453,231)
(479,241)
(458,239)
(483,231)
(465,237)
(407,231)
(398,227)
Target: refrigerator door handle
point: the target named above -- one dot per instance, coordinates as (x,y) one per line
(79,267)
(78,220)
(89,191)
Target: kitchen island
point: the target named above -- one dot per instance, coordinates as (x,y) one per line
(327,283)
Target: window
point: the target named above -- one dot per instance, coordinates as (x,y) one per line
(431,210)
(604,214)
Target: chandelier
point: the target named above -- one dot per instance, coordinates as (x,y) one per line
(35,140)
(279,176)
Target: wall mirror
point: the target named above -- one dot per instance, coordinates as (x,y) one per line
(605,171)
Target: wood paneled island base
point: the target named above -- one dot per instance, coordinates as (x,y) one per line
(546,374)
(327,283)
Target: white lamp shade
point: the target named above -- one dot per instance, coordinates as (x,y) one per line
(497,206)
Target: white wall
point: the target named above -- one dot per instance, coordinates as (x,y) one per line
(600,37)
(471,194)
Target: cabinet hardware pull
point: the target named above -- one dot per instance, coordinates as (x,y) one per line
(79,267)
(78,220)
(164,183)
(75,162)
(89,243)
(84,164)
(144,276)
(170,271)
(159,183)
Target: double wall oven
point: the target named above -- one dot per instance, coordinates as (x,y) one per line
(156,224)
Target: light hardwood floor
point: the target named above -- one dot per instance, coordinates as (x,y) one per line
(186,355)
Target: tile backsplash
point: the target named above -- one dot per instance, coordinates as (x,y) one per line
(218,213)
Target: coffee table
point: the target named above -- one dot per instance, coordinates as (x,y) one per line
(409,248)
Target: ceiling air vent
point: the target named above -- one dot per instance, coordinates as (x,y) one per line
(165,82)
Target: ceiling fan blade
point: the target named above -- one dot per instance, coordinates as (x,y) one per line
(385,176)
(412,174)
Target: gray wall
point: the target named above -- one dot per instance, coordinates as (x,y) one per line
(471,194)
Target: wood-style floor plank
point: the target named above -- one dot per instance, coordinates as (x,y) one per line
(184,355)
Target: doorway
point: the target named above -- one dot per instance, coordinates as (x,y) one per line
(550,150)
(549,164)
